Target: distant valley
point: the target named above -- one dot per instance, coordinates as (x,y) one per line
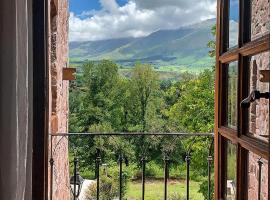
(184,48)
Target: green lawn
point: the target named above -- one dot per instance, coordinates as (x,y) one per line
(155,190)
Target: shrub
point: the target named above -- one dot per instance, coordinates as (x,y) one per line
(153,170)
(176,196)
(126,176)
(204,189)
(108,189)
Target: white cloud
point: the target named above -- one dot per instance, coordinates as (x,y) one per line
(183,4)
(138,18)
(109,5)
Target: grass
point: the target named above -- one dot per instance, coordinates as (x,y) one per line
(166,72)
(154,185)
(154,189)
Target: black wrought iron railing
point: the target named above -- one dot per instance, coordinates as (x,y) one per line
(170,140)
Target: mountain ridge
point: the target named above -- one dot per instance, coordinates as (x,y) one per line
(182,47)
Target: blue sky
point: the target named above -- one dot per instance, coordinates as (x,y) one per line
(78,6)
(108,19)
(234,10)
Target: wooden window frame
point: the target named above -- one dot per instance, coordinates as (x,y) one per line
(40,99)
(246,48)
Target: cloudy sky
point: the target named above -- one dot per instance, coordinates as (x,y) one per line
(107,19)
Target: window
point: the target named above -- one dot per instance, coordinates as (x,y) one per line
(242,132)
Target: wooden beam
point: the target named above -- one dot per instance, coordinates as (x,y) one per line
(256,46)
(229,56)
(249,49)
(69,74)
(247,141)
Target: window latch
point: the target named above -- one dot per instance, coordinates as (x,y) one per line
(253,96)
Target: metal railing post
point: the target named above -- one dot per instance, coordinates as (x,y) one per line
(51,184)
(260,163)
(166,176)
(209,160)
(122,158)
(75,177)
(143,177)
(188,158)
(98,160)
(120,175)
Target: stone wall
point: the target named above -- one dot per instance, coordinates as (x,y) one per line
(58,101)
(259,110)
(253,170)
(260,18)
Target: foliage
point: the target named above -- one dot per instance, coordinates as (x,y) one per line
(108,102)
(212,43)
(104,101)
(195,99)
(108,189)
(109,183)
(176,196)
(204,189)
(143,85)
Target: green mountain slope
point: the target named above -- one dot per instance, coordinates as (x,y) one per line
(185,47)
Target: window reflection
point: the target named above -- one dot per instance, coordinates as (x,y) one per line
(230,171)
(232,95)
(233,22)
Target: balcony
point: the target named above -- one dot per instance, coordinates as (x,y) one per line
(120,165)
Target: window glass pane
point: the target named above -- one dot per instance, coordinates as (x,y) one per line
(256,175)
(232,95)
(230,171)
(259,110)
(233,23)
(260,18)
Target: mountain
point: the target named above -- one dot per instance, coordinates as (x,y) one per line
(183,47)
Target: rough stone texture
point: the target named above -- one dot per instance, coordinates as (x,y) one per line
(58,101)
(253,171)
(259,111)
(260,18)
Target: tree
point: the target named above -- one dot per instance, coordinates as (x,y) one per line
(94,95)
(193,111)
(212,43)
(144,84)
(92,107)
